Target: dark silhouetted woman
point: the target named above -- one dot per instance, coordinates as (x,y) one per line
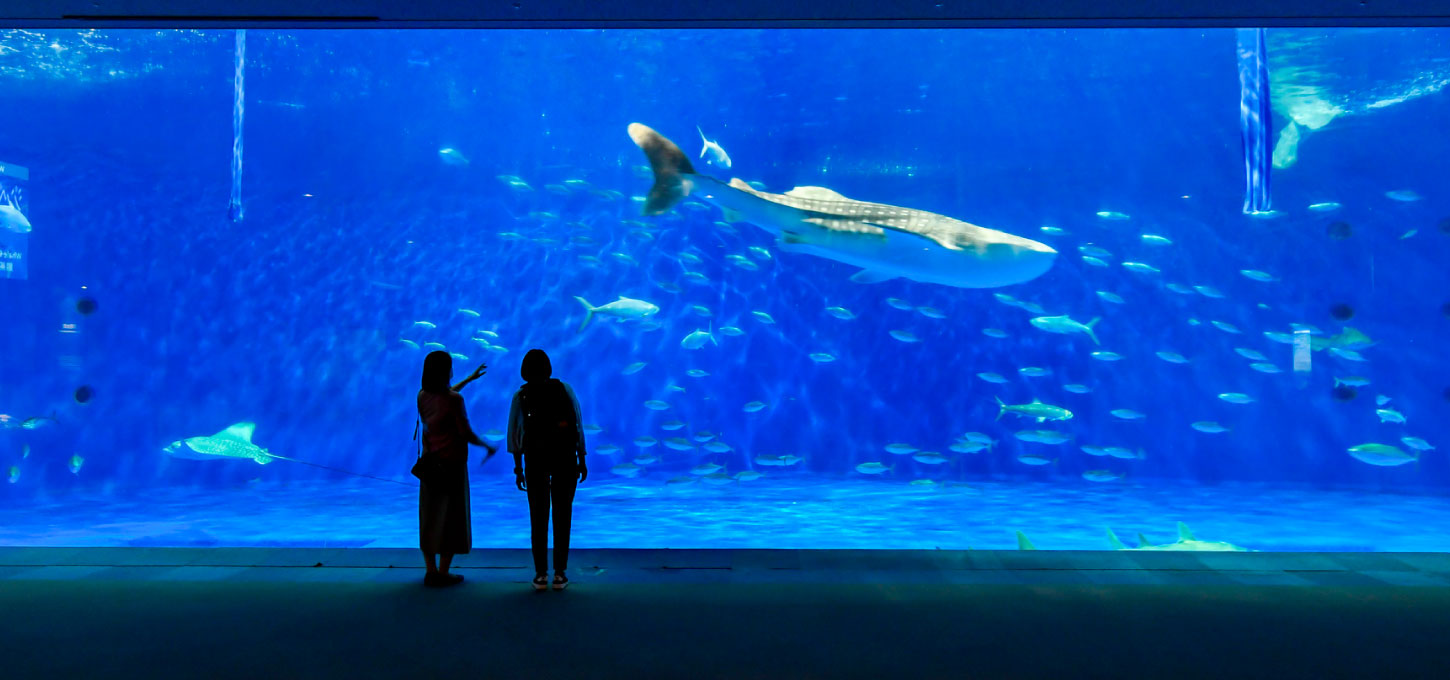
(444,526)
(545,428)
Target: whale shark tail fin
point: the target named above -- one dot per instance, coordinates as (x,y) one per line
(670,166)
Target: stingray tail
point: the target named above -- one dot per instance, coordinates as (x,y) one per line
(670,166)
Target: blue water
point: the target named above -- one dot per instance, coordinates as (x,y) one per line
(356,227)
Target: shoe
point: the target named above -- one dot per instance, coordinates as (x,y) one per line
(434,580)
(452,579)
(560,581)
(541,582)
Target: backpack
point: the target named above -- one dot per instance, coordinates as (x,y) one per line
(549,425)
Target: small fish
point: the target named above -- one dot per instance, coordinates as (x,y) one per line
(76,462)
(1110,297)
(645,441)
(695,278)
(716,152)
(1409,233)
(759,253)
(980,438)
(489,334)
(697,373)
(1125,454)
(995,378)
(1236,398)
(762,317)
(646,459)
(1065,325)
(1053,231)
(1036,409)
(1226,327)
(1250,354)
(1403,195)
(24,452)
(1381,400)
(930,458)
(676,388)
(1417,444)
(634,368)
(1171,357)
(434,347)
(700,310)
(408,343)
(1112,216)
(1209,292)
(931,312)
(452,156)
(742,262)
(1140,268)
(963,446)
(900,304)
(1093,261)
(1179,288)
(703,436)
(789,460)
(748,475)
(731,331)
(1035,459)
(1327,206)
(822,357)
(706,469)
(425,325)
(1347,354)
(1106,356)
(901,449)
(1077,388)
(1127,414)
(1101,476)
(1352,381)
(1258,275)
(591,428)
(682,480)
(626,470)
(1094,251)
(1092,450)
(14,474)
(841,313)
(1043,436)
(670,425)
(468,313)
(697,339)
(458,357)
(904,336)
(717,447)
(753,407)
(688,259)
(994,333)
(1209,427)
(872,468)
(656,405)
(1266,368)
(1156,240)
(607,449)
(1281,338)
(1035,371)
(1389,415)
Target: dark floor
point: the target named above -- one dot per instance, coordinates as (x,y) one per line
(265,613)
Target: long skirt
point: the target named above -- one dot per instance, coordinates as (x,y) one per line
(444,522)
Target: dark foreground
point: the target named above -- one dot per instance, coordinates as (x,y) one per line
(254,613)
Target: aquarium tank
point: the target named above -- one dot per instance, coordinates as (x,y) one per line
(902,289)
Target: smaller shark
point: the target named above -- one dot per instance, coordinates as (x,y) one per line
(233,442)
(717,152)
(623,309)
(1185,542)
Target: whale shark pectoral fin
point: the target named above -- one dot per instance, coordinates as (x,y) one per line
(241,431)
(869,276)
(846,226)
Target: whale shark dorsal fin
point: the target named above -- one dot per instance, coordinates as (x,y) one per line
(241,431)
(1023,543)
(869,276)
(1143,541)
(817,193)
(1184,533)
(1113,539)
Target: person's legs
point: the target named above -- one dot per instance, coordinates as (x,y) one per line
(561,489)
(428,559)
(537,475)
(444,561)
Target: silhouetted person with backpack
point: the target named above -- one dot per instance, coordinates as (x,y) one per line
(545,427)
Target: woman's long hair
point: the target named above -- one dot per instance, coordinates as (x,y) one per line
(437,371)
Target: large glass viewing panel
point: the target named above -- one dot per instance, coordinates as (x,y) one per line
(905,288)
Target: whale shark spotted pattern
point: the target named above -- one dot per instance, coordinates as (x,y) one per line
(885,241)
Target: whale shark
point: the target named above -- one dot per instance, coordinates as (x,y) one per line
(1185,542)
(884,241)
